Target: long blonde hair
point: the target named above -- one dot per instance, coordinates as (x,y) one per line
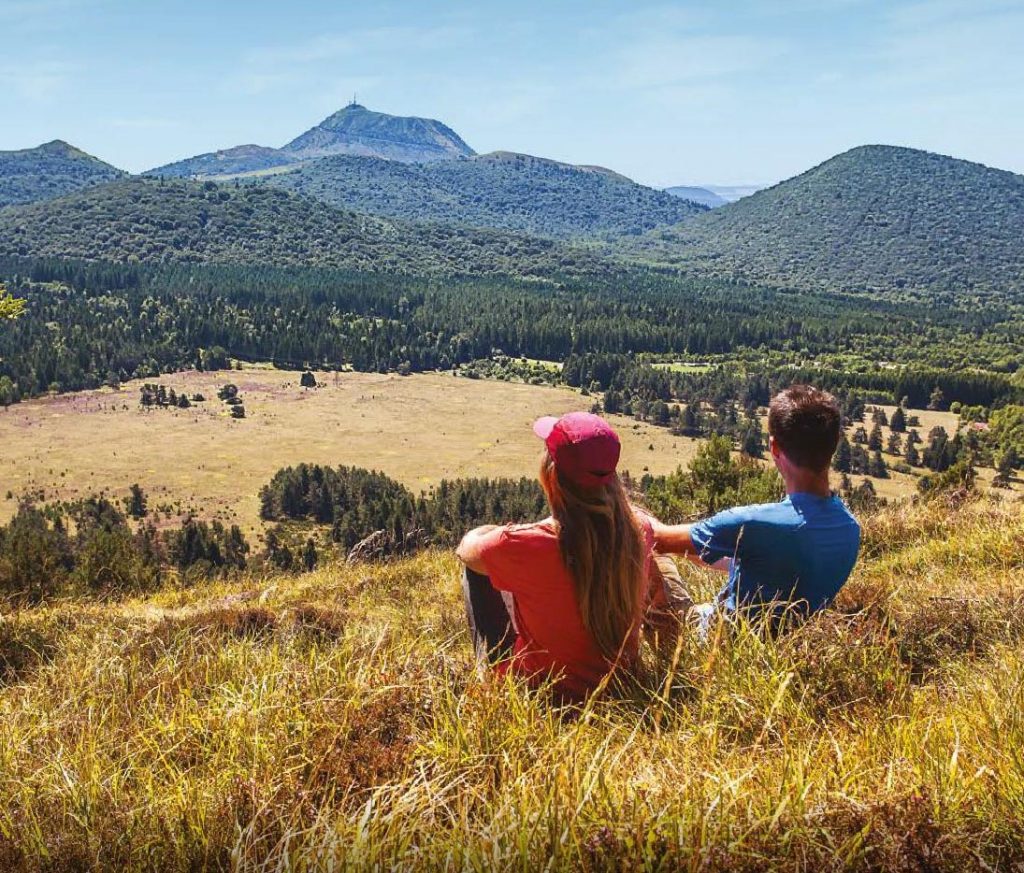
(604,551)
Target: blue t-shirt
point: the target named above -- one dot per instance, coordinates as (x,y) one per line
(800,550)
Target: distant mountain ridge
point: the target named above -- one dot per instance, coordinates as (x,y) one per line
(502,189)
(875,218)
(705,196)
(235,161)
(732,193)
(354,130)
(713,195)
(50,170)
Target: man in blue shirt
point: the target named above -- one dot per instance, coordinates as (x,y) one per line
(795,554)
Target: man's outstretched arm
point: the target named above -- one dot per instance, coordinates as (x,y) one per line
(675,539)
(672,539)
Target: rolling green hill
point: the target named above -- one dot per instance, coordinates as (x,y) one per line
(503,190)
(50,170)
(167,220)
(875,218)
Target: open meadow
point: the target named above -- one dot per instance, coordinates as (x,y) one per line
(418,429)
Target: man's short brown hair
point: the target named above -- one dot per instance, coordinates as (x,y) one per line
(806,424)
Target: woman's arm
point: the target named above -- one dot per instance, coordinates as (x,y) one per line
(470,550)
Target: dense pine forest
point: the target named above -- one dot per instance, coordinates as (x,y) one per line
(97,323)
(155,220)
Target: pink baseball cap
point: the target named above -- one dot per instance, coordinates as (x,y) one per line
(584,446)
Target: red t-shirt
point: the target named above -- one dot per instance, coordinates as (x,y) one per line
(551,639)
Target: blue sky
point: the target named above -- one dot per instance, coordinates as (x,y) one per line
(728,92)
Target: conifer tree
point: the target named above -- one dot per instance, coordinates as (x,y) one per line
(843,457)
(136,502)
(875,438)
(309,555)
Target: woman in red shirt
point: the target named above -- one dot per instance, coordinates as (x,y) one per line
(564,598)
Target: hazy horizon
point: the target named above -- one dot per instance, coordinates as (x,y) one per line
(668,94)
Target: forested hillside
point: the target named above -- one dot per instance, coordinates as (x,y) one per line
(91,323)
(504,190)
(159,220)
(873,218)
(49,171)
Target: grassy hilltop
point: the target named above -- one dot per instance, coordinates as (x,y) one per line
(334,719)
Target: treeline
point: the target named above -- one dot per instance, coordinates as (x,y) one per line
(635,383)
(367,507)
(90,324)
(360,503)
(89,547)
(92,548)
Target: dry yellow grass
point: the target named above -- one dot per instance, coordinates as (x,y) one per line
(333,721)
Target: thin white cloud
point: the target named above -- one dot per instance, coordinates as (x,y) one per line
(33,16)
(331,63)
(940,47)
(674,60)
(335,46)
(928,13)
(145,123)
(253,82)
(37,81)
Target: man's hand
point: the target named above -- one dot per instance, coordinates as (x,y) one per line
(470,550)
